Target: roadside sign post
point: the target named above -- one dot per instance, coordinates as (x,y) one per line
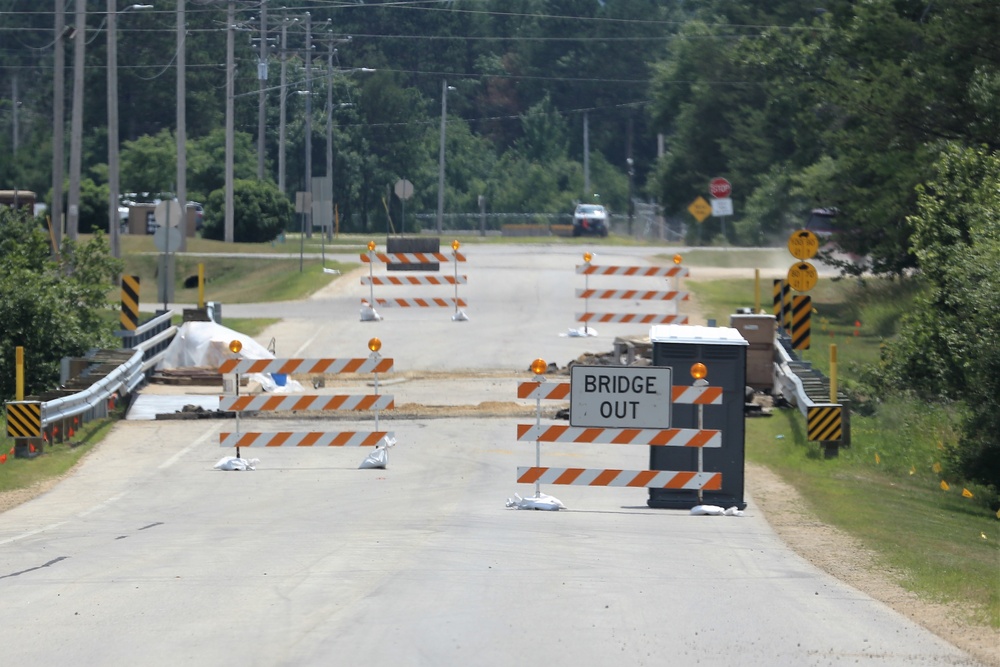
(722,203)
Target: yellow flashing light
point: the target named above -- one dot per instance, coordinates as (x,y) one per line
(235,346)
(678,259)
(587,256)
(698,371)
(371,245)
(455,245)
(374,344)
(538,366)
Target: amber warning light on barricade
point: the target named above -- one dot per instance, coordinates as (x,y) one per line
(235,346)
(374,344)
(587,256)
(678,259)
(538,366)
(455,245)
(698,371)
(371,245)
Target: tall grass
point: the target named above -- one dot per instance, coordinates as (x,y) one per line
(934,534)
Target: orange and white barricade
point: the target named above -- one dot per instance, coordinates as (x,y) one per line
(368,312)
(671,296)
(699,480)
(374,402)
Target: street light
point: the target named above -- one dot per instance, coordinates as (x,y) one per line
(114,222)
(444,111)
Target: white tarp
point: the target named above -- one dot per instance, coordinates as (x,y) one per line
(206,345)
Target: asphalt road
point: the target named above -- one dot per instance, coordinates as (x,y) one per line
(146,555)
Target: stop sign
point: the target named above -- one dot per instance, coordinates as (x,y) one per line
(720,188)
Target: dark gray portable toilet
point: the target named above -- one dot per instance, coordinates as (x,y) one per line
(723,352)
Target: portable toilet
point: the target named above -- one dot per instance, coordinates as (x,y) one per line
(722,350)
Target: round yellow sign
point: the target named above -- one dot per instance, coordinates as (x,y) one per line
(802,277)
(803,244)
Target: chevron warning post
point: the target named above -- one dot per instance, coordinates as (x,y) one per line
(824,423)
(783,304)
(801,321)
(24,419)
(129,316)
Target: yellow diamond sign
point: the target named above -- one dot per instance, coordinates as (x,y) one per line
(700,209)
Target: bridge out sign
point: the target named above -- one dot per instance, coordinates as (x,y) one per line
(620,397)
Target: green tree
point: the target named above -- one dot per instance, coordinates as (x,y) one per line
(51,308)
(149,163)
(260,212)
(948,346)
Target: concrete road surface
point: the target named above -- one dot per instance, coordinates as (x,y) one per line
(146,555)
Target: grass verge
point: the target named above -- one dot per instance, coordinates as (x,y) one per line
(935,536)
(55,461)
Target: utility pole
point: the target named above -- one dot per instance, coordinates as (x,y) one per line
(113,221)
(587,194)
(281,106)
(329,127)
(261,81)
(76,124)
(229,235)
(58,125)
(182,121)
(308,178)
(631,175)
(444,112)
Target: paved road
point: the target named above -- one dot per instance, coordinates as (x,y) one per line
(148,556)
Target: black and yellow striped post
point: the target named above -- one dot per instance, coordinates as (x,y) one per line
(801,329)
(825,423)
(783,304)
(130,303)
(24,425)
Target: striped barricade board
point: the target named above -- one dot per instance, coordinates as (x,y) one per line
(304,439)
(656,437)
(410,257)
(414,280)
(634,271)
(425,302)
(283,402)
(306,366)
(633,294)
(631,318)
(561,391)
(658,479)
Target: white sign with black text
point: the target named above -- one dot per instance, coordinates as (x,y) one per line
(620,397)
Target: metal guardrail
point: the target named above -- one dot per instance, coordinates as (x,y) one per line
(149,343)
(804,387)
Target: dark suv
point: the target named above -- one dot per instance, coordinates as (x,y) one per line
(590,219)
